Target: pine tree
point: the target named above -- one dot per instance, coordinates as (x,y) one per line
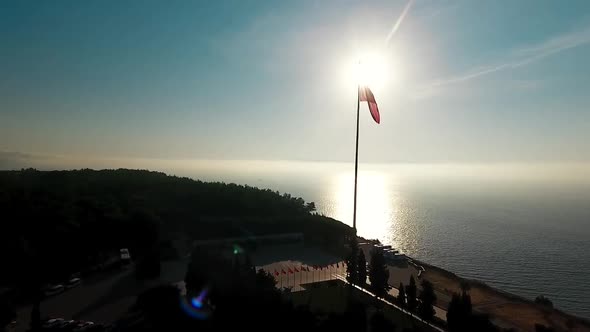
(362,269)
(378,273)
(401,296)
(411,294)
(427,301)
(351,262)
(460,316)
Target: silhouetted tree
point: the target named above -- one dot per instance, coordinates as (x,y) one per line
(160,306)
(100,212)
(362,269)
(378,273)
(544,301)
(427,301)
(401,296)
(411,294)
(379,323)
(352,261)
(460,316)
(457,319)
(36,317)
(466,302)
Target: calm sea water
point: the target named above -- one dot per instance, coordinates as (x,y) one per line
(521,228)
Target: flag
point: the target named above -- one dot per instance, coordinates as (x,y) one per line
(283,271)
(276,273)
(365,94)
(290,271)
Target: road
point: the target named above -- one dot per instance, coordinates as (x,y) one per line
(101,298)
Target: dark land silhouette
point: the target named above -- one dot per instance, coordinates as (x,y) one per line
(61,224)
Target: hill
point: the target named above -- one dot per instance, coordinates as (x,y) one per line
(58,222)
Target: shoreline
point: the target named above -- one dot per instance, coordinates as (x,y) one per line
(500,305)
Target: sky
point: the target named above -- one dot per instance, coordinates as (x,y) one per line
(464,81)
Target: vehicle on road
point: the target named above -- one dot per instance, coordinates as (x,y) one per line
(49,323)
(125,256)
(83,326)
(73,282)
(53,289)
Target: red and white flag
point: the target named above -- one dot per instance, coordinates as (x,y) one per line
(365,94)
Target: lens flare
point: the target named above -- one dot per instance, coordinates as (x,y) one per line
(196,307)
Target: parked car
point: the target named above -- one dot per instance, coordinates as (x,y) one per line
(49,323)
(125,257)
(64,325)
(83,326)
(73,282)
(96,328)
(53,289)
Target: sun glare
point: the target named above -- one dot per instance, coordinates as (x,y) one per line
(370,69)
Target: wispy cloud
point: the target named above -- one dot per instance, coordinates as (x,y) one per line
(516,58)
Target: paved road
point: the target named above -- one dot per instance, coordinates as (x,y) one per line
(100,299)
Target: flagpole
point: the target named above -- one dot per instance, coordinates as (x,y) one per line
(356,156)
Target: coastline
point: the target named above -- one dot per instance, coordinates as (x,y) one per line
(502,305)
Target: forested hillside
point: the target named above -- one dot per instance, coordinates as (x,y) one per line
(58,222)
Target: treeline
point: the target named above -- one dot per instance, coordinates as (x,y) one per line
(58,222)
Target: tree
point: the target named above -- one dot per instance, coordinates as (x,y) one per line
(411,294)
(544,301)
(427,301)
(351,262)
(456,318)
(362,269)
(460,317)
(378,273)
(401,296)
(36,317)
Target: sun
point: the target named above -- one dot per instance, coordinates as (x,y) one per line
(370,69)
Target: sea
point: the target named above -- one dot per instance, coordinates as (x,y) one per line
(521,228)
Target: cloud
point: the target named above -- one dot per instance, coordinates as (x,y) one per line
(516,58)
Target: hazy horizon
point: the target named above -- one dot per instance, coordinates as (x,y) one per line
(252,171)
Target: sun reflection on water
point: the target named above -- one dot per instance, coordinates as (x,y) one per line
(375,203)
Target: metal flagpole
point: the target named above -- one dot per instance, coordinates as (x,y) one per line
(356,155)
